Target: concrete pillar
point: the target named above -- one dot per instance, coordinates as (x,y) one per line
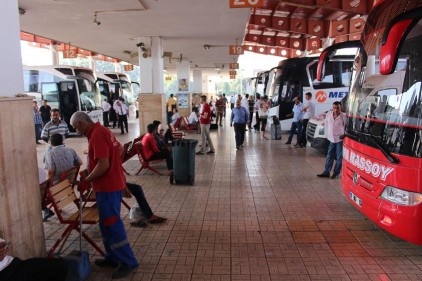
(117,67)
(54,54)
(91,61)
(20,203)
(152,102)
(197,81)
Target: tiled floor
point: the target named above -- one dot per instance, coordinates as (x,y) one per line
(259,213)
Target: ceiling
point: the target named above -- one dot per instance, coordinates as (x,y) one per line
(114,27)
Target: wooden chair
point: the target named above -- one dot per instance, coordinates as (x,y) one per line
(177,135)
(190,127)
(88,194)
(145,164)
(62,197)
(127,153)
(177,125)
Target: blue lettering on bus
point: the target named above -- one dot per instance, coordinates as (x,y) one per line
(337,94)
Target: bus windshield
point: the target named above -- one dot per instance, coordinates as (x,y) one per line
(390,117)
(89,96)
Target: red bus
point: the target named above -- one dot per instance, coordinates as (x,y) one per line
(382,151)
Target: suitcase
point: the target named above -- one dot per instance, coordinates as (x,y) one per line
(213,126)
(276,132)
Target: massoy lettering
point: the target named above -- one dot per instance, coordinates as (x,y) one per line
(370,167)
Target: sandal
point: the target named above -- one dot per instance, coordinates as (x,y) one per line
(157,220)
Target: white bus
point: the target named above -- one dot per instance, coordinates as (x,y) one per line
(68,88)
(116,85)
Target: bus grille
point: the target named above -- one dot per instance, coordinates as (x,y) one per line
(310,131)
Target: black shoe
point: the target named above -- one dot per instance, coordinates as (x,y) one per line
(47,214)
(289,142)
(211,152)
(335,176)
(123,271)
(171,178)
(323,175)
(237,147)
(106,263)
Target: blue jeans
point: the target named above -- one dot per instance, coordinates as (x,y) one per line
(335,151)
(298,126)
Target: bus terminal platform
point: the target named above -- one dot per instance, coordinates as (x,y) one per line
(258,213)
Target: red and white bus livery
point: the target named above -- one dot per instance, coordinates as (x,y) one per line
(382,156)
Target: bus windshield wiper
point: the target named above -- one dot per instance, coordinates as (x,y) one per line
(387,154)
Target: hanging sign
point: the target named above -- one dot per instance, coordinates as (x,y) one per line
(234,66)
(235,50)
(232,72)
(168,78)
(70,54)
(246,3)
(232,76)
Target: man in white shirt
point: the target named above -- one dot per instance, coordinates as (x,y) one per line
(309,112)
(334,123)
(15,269)
(122,112)
(244,102)
(105,105)
(193,117)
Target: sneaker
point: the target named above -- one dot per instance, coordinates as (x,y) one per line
(323,175)
(123,271)
(335,176)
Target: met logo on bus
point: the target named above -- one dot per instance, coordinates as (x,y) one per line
(337,95)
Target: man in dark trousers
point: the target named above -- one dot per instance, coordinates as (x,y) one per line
(45,112)
(239,118)
(105,173)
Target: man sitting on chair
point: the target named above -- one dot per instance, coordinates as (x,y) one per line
(58,160)
(152,152)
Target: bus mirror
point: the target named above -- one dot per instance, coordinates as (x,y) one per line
(321,64)
(390,48)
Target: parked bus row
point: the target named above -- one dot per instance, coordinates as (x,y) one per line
(72,88)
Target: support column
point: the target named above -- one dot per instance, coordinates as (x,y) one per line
(197,87)
(152,103)
(54,54)
(20,204)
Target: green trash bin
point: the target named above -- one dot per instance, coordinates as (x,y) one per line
(184,160)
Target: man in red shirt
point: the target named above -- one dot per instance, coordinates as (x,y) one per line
(107,179)
(205,120)
(152,152)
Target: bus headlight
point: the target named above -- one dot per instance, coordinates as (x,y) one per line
(401,197)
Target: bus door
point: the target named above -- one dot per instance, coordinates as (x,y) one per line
(50,92)
(68,101)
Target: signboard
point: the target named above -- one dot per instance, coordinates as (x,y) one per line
(70,54)
(234,66)
(232,72)
(235,50)
(128,67)
(232,76)
(246,3)
(168,78)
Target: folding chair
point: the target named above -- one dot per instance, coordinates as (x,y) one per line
(190,127)
(145,164)
(62,197)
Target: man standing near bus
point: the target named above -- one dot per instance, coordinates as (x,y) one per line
(309,112)
(105,105)
(334,126)
(55,126)
(106,175)
(45,112)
